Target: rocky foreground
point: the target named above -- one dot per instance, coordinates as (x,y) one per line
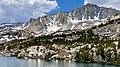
(76,52)
(54,52)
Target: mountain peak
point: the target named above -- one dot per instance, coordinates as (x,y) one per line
(80,18)
(63,20)
(59,12)
(89,4)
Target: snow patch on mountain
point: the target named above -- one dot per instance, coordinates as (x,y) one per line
(53,28)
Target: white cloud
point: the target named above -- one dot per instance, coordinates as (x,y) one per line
(22,10)
(106,3)
(1,12)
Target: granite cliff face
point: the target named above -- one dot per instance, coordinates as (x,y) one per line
(75,19)
(110,28)
(79,19)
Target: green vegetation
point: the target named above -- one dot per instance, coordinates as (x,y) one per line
(105,47)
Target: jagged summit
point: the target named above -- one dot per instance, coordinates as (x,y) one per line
(80,18)
(88,12)
(89,4)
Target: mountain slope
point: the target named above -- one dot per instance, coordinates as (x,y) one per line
(70,20)
(82,18)
(88,45)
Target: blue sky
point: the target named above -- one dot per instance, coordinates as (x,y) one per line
(68,5)
(23,10)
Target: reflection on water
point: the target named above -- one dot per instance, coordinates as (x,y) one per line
(13,62)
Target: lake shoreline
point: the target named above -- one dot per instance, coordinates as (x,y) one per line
(64,61)
(56,52)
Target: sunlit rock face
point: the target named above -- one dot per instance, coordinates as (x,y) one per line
(79,19)
(70,20)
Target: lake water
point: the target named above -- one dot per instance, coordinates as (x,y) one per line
(14,62)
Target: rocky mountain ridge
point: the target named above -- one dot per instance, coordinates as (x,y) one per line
(79,19)
(75,19)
